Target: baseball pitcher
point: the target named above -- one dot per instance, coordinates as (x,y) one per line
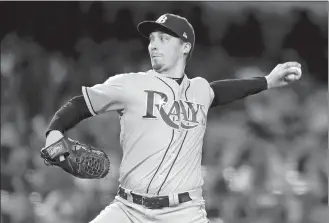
(163,117)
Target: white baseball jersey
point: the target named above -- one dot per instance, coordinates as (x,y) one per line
(162,128)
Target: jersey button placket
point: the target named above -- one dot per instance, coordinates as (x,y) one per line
(181,97)
(161,178)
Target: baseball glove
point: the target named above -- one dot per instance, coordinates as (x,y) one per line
(82,161)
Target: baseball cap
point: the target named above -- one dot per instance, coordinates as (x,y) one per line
(174,24)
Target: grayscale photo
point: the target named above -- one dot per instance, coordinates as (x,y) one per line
(164,112)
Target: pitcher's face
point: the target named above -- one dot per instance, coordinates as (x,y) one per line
(165,50)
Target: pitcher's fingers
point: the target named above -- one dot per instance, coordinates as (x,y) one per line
(291,64)
(293,70)
(299,74)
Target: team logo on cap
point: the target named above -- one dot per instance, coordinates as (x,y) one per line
(185,35)
(162,19)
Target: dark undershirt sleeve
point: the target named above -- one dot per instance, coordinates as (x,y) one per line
(70,114)
(227,91)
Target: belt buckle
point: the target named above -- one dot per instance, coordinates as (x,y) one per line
(153,203)
(148,202)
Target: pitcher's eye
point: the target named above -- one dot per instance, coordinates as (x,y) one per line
(164,37)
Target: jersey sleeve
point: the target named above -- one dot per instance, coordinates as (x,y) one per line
(211,95)
(108,96)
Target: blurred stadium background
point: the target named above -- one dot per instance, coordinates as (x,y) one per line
(264,157)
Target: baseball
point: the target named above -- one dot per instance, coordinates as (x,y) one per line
(290,77)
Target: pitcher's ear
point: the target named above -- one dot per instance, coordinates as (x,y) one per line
(187,48)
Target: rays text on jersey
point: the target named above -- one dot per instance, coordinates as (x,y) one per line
(177,114)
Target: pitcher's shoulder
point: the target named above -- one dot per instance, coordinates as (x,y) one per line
(127,76)
(200,81)
(134,75)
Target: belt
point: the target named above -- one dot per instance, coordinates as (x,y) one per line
(153,202)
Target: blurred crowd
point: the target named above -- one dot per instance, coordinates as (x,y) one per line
(264,157)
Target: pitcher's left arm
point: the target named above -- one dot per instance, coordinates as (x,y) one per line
(227,91)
